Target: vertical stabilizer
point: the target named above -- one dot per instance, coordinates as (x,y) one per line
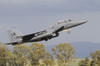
(14,35)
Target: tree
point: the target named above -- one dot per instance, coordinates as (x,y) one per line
(95,58)
(31,55)
(11,59)
(0,43)
(3,53)
(20,53)
(48,59)
(92,63)
(84,62)
(37,53)
(63,52)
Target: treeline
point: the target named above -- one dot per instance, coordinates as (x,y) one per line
(95,61)
(36,55)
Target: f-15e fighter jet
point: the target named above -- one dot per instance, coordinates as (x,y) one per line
(17,38)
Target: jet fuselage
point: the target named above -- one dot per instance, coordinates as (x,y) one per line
(17,38)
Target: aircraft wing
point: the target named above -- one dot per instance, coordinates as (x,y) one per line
(59,29)
(46,32)
(42,34)
(30,36)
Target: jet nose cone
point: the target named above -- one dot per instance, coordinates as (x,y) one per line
(77,23)
(85,21)
(82,22)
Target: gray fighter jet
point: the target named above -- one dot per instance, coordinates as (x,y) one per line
(17,38)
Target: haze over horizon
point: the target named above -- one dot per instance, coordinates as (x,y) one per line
(30,16)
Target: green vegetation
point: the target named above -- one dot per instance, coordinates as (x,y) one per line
(95,58)
(64,53)
(35,55)
(95,61)
(84,62)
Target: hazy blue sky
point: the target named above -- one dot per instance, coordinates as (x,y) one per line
(30,16)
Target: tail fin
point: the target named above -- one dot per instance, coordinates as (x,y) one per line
(14,35)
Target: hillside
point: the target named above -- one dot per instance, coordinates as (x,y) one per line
(82,49)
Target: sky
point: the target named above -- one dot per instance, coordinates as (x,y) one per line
(30,16)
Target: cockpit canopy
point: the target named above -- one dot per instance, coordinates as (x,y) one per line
(69,20)
(64,21)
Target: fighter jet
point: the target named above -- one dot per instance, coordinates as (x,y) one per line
(17,38)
